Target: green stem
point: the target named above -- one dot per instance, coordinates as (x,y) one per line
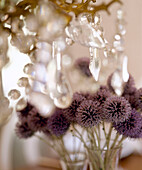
(107,143)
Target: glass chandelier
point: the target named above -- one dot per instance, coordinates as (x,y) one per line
(43,30)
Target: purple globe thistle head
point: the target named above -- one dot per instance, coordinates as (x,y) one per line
(116,109)
(35,121)
(130,127)
(88,113)
(133,99)
(83,65)
(129,86)
(71,111)
(102,94)
(58,124)
(88,96)
(23,114)
(23,131)
(139,97)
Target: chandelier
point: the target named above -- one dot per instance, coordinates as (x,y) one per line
(43,30)
(54,82)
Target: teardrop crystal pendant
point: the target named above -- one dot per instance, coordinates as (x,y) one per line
(62,93)
(95,63)
(117,82)
(125,74)
(45,107)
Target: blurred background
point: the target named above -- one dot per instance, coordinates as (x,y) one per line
(15,153)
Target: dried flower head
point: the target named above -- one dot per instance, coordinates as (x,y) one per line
(130,127)
(23,131)
(71,111)
(83,65)
(102,94)
(58,123)
(139,94)
(23,114)
(117,109)
(129,87)
(88,113)
(133,98)
(35,121)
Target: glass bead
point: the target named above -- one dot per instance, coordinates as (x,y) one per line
(23,82)
(23,42)
(14,94)
(97,19)
(85,18)
(120,14)
(85,34)
(69,41)
(28,69)
(22,103)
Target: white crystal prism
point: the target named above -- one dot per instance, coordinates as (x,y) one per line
(95,63)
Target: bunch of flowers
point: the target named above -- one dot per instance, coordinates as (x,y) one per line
(99,114)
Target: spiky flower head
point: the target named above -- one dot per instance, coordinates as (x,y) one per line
(83,65)
(71,111)
(130,127)
(23,114)
(35,121)
(133,98)
(58,123)
(129,86)
(102,94)
(116,109)
(23,130)
(88,113)
(139,93)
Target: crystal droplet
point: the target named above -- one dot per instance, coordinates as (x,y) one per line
(45,106)
(66,60)
(121,27)
(22,103)
(97,19)
(85,18)
(23,82)
(60,44)
(95,63)
(120,14)
(14,94)
(63,97)
(69,41)
(125,73)
(117,82)
(28,69)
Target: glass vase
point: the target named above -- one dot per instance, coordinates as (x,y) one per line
(75,161)
(103,159)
